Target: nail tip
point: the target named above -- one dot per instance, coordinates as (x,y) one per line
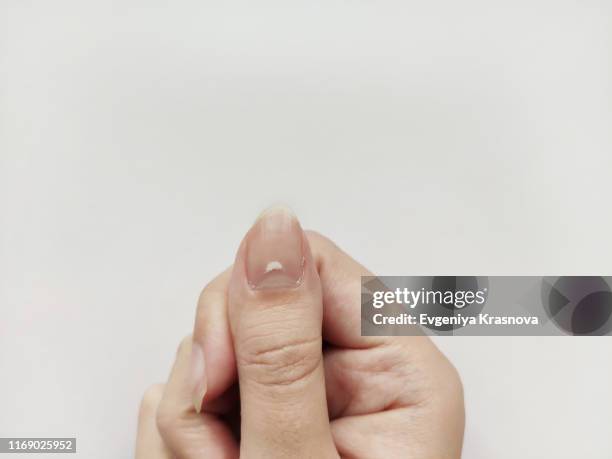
(277,208)
(275,253)
(198,376)
(198,402)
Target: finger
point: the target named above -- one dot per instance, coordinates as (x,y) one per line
(376,436)
(188,434)
(149,443)
(211,333)
(384,378)
(409,368)
(275,313)
(341,281)
(410,433)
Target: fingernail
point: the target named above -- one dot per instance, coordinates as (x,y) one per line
(274,254)
(198,375)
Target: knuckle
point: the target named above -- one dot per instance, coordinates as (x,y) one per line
(150,400)
(455,385)
(445,383)
(316,235)
(184,345)
(277,360)
(165,419)
(450,397)
(212,298)
(320,241)
(214,292)
(209,296)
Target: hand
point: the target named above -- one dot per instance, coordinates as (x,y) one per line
(277,366)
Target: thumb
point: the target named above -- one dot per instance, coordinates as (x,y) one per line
(275,313)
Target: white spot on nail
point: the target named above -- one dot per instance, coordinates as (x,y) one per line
(274,266)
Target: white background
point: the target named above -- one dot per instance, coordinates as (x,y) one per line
(138,143)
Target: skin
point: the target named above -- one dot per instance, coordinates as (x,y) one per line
(288,374)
